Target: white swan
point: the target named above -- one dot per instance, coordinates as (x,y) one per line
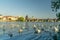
(34,26)
(20,30)
(38,31)
(56,29)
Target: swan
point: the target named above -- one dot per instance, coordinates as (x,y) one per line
(37,31)
(56,29)
(20,30)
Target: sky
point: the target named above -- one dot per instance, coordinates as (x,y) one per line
(36,8)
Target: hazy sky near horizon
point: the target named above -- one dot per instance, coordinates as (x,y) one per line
(36,8)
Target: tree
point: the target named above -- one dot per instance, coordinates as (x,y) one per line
(55,5)
(21,19)
(58,16)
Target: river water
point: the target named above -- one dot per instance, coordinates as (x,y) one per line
(27,32)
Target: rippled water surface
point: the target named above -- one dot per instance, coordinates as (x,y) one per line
(25,30)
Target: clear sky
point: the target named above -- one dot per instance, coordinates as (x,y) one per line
(36,8)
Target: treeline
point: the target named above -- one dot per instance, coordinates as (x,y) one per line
(21,19)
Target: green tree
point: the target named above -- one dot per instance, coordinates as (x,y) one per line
(21,19)
(58,16)
(55,5)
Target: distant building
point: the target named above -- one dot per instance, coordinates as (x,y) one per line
(14,18)
(26,18)
(8,18)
